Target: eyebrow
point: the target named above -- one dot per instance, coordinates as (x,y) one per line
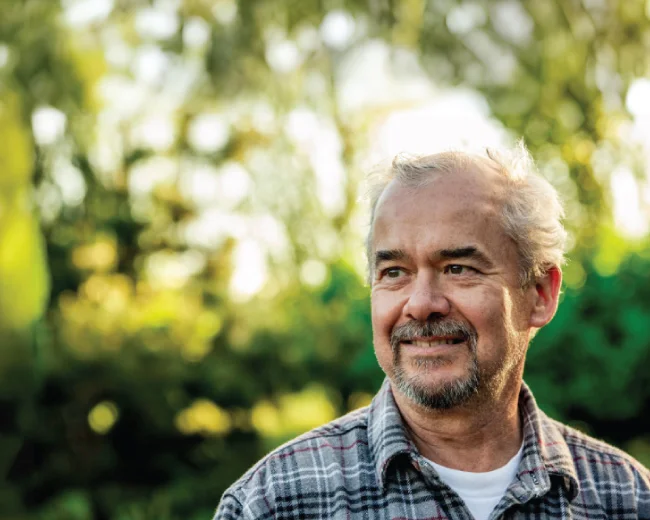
(390,255)
(465,252)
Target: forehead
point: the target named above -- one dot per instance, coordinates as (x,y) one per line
(451,209)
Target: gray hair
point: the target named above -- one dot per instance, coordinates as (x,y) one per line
(531,214)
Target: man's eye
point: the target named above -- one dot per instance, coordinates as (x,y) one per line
(459,269)
(392,272)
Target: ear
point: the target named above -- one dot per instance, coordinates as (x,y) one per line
(547,292)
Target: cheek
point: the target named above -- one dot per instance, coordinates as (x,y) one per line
(386,310)
(496,318)
(488,312)
(385,315)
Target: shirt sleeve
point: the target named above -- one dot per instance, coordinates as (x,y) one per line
(643,493)
(229,509)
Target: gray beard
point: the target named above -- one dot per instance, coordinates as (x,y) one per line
(449,395)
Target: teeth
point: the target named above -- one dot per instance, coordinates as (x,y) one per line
(420,343)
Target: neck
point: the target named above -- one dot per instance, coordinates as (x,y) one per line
(477,437)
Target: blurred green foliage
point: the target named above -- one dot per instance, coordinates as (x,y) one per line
(135,382)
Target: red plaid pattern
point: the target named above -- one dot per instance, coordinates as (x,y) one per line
(363,465)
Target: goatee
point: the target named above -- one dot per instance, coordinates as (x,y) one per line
(448,394)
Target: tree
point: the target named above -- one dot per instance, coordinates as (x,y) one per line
(179,152)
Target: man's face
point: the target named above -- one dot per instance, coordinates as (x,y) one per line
(449,316)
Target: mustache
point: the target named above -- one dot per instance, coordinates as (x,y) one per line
(447,327)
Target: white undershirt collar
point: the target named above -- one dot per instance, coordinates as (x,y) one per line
(481,492)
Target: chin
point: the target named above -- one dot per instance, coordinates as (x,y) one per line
(434,391)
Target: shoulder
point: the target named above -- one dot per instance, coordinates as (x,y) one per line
(308,464)
(602,465)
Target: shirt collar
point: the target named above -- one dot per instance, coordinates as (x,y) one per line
(545,452)
(387,437)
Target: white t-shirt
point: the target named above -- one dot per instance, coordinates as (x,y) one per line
(481,492)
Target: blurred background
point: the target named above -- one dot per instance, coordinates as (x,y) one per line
(182,223)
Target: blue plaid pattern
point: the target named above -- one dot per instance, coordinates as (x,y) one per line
(363,465)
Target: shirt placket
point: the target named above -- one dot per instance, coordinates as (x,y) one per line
(448,500)
(520,492)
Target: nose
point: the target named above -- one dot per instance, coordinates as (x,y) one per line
(426,301)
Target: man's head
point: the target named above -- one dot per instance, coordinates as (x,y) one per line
(464,254)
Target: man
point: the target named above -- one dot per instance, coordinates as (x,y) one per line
(465,257)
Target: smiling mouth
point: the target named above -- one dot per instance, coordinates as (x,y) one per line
(434,341)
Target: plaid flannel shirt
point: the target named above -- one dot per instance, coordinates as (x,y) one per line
(364,465)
